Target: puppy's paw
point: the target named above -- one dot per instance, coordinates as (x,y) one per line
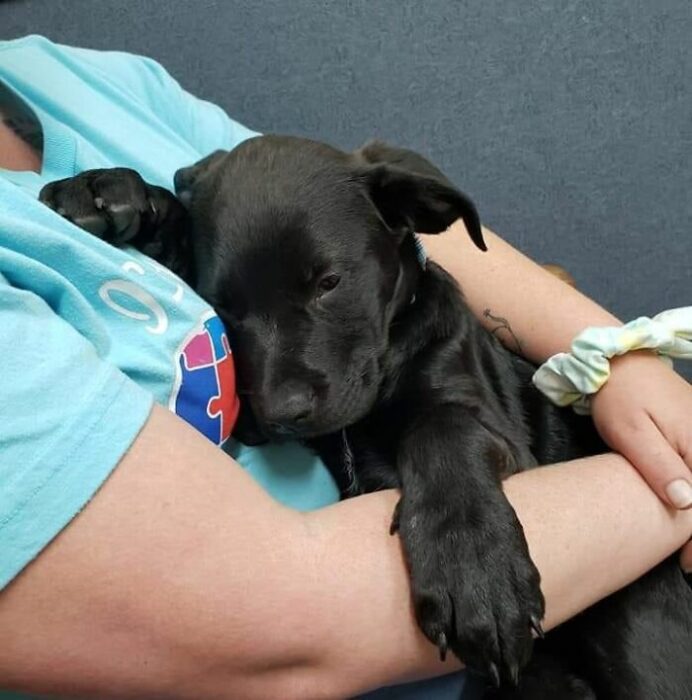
(476,591)
(113,204)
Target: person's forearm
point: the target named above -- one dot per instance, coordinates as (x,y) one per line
(530,310)
(579,518)
(182,579)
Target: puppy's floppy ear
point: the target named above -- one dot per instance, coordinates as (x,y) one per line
(185,178)
(409,191)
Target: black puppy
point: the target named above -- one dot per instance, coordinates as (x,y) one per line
(345,339)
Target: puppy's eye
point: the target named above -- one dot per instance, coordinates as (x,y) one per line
(328,282)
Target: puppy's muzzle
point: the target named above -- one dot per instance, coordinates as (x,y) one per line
(289,409)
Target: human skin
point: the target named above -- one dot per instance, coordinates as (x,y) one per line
(183,579)
(14,153)
(641,412)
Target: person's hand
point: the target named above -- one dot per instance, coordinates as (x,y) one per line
(644,412)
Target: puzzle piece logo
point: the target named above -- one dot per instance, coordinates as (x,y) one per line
(204,392)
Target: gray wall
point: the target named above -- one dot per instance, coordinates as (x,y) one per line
(569,122)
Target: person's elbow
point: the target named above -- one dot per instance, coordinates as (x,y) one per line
(264,636)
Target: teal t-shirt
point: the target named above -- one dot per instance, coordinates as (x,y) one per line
(91,335)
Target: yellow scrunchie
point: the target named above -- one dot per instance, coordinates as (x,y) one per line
(570,378)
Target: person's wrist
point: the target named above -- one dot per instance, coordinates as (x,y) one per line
(567,337)
(632,365)
(627,367)
(634,360)
(636,375)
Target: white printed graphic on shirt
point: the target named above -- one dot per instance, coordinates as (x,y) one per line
(203,391)
(154,313)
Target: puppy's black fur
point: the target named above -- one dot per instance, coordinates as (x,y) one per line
(344,340)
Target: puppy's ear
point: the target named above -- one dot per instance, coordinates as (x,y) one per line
(185,178)
(409,191)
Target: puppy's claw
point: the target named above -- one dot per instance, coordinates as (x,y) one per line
(537,627)
(514,674)
(494,674)
(442,645)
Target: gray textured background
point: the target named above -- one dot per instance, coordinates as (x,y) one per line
(569,122)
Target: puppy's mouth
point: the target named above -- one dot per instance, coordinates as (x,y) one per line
(340,406)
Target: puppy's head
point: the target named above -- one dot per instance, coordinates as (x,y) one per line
(299,247)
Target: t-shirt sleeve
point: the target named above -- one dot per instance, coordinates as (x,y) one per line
(66,419)
(203,124)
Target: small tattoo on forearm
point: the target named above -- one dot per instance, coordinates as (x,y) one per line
(503,325)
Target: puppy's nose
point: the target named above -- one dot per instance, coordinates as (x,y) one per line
(292,405)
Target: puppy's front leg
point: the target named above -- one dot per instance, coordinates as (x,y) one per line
(475,588)
(119,207)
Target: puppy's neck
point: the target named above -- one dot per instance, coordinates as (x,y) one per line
(430,309)
(412,265)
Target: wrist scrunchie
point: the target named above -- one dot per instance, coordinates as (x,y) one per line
(571,378)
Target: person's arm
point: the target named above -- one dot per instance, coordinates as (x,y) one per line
(529,309)
(183,579)
(642,410)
